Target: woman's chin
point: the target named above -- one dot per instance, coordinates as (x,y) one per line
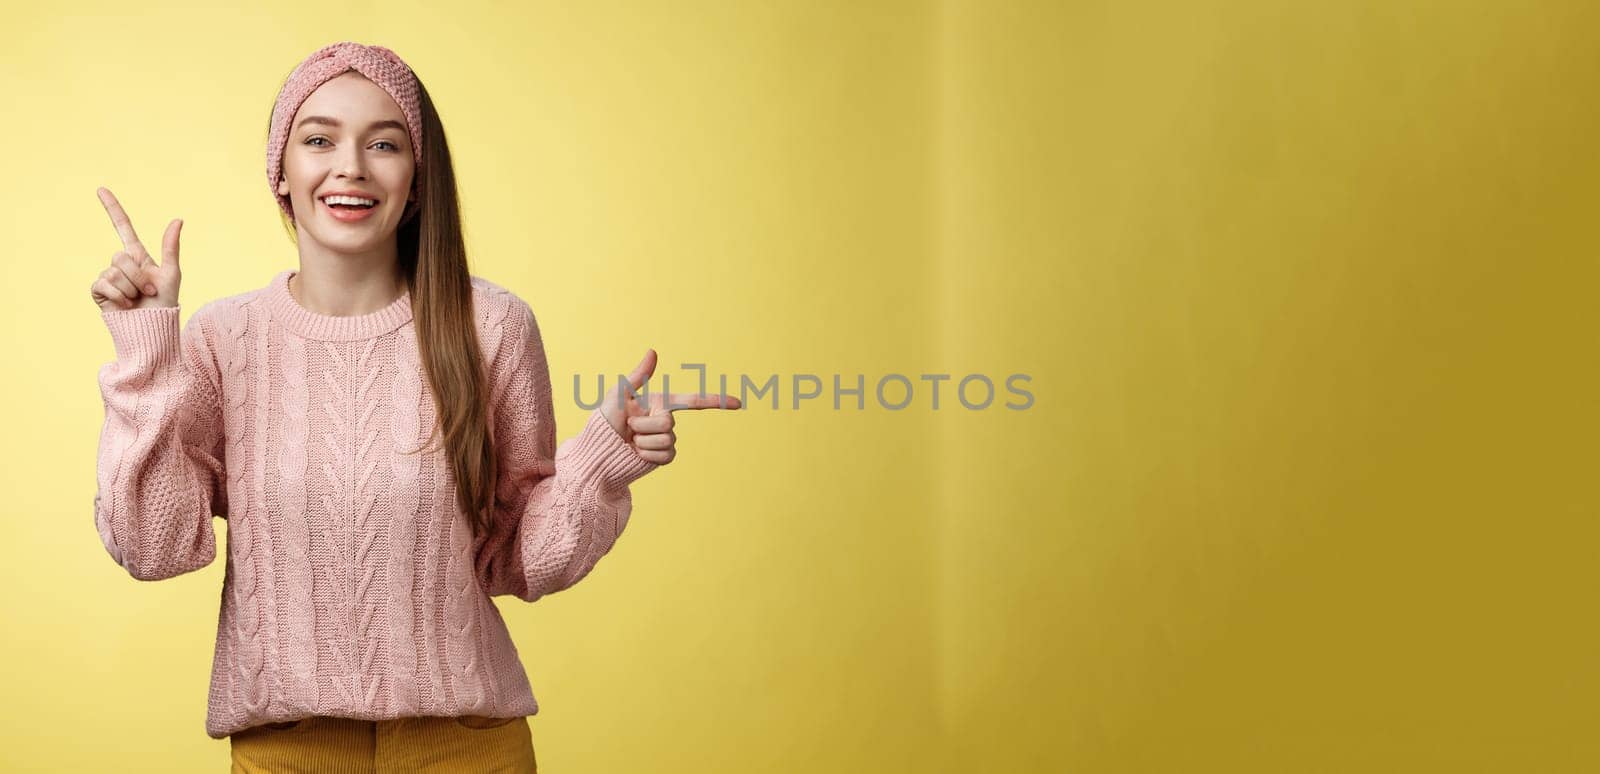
(347,242)
(351,237)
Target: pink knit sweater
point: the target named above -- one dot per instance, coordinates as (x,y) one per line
(354,586)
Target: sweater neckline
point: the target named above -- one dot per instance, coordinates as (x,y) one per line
(325,327)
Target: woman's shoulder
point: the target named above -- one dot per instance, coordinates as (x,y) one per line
(506,328)
(483,287)
(499,309)
(495,294)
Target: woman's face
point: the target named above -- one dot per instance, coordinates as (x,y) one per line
(349,136)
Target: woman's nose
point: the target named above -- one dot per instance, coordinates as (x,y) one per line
(350,164)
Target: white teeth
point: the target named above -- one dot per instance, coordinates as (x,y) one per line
(350,200)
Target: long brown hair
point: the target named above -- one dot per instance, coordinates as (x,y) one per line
(433,259)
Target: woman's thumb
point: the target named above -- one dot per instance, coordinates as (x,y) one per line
(169,243)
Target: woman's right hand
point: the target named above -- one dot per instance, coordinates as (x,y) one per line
(134,280)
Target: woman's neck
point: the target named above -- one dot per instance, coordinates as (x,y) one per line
(345,292)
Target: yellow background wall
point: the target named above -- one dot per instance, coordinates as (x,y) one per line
(1301,289)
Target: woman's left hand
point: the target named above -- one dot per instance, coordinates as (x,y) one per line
(647,426)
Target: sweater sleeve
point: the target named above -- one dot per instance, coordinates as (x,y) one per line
(557,510)
(160,471)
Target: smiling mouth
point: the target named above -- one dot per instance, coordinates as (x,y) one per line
(348,207)
(346,213)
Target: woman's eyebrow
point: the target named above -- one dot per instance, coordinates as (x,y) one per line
(384,124)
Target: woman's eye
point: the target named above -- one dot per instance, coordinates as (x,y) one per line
(313,142)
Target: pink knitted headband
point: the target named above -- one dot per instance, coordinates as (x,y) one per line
(378,64)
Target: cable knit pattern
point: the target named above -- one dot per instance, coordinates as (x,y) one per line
(299,662)
(405,471)
(248,559)
(354,585)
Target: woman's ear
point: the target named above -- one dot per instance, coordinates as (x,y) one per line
(283,186)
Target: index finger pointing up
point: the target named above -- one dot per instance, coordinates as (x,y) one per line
(130,240)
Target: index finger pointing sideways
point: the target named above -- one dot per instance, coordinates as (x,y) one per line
(678,402)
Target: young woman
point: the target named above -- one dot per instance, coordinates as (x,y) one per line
(377,428)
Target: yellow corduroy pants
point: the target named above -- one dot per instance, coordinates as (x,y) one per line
(329,745)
